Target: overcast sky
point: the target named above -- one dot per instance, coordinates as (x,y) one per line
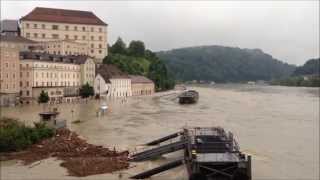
(288,30)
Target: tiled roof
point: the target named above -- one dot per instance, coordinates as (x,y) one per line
(9,25)
(139,79)
(17,39)
(63,16)
(109,71)
(70,59)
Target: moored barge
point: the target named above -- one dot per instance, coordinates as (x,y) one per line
(209,154)
(188,97)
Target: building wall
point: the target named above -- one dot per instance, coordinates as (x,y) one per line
(142,89)
(95,36)
(62,47)
(9,68)
(47,74)
(100,86)
(9,73)
(88,71)
(120,87)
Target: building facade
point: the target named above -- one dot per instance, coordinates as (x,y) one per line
(46,24)
(10,68)
(112,82)
(60,76)
(64,47)
(141,85)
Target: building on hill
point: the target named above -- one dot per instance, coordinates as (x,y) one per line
(64,47)
(48,24)
(9,27)
(10,67)
(112,82)
(60,76)
(141,85)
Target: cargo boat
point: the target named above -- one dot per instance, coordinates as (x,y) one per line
(209,153)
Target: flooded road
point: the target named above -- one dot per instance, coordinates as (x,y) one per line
(278,126)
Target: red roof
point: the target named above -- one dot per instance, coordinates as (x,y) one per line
(63,16)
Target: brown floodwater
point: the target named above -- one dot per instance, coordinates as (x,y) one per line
(278,126)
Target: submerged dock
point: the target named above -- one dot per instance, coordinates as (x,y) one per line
(208,154)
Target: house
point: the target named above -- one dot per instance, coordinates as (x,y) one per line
(112,82)
(141,85)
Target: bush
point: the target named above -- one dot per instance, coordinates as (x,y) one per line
(15,136)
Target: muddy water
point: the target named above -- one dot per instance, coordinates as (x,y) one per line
(278,126)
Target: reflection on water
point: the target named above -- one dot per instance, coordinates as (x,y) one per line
(278,126)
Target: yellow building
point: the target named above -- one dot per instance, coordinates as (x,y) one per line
(47,24)
(141,85)
(58,75)
(9,67)
(64,47)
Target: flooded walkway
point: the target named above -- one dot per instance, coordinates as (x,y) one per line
(278,126)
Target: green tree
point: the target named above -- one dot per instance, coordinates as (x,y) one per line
(43,97)
(86,91)
(119,47)
(136,48)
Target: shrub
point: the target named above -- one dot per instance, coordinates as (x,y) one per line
(15,136)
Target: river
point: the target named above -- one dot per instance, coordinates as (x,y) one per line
(278,126)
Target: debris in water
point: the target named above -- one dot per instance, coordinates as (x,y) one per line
(79,157)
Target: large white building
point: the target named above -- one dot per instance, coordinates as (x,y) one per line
(112,82)
(84,27)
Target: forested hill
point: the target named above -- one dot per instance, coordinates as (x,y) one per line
(223,64)
(311,67)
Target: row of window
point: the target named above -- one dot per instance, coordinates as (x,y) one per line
(6,86)
(48,84)
(66,27)
(52,75)
(51,66)
(56,36)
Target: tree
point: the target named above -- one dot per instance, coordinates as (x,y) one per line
(86,91)
(43,97)
(136,48)
(119,47)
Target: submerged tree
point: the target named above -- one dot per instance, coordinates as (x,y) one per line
(86,91)
(43,97)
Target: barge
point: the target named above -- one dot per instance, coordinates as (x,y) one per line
(209,153)
(188,97)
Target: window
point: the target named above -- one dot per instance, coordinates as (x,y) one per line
(92,51)
(43,35)
(67,28)
(92,29)
(55,36)
(100,38)
(43,26)
(35,26)
(20,74)
(75,37)
(92,38)
(35,35)
(20,83)
(100,29)
(100,51)
(27,25)
(67,36)
(27,83)
(27,35)
(100,46)
(83,28)
(92,45)
(76,28)
(55,27)
(28,93)
(83,37)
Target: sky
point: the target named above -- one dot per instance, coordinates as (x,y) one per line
(287,30)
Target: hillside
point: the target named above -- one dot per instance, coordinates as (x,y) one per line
(223,64)
(311,67)
(137,60)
